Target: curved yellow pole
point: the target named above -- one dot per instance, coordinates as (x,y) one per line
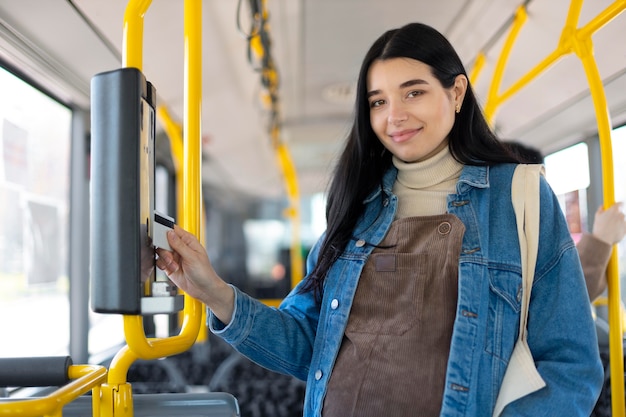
(291,182)
(133,325)
(579,41)
(493,101)
(615,314)
(583,48)
(285,162)
(118,392)
(117,395)
(479,65)
(174,133)
(563,48)
(132,48)
(603,18)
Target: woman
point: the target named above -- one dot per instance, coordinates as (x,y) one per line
(411,303)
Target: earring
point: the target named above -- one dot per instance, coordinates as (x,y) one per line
(457,108)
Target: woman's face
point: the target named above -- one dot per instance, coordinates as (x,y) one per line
(410,111)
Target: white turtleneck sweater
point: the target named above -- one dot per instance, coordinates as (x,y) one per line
(423,187)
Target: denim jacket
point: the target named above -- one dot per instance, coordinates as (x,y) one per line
(302,337)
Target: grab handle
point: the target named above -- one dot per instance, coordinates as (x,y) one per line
(35,371)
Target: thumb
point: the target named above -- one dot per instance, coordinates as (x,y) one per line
(183,242)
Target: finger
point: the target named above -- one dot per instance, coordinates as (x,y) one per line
(163,253)
(160,263)
(168,256)
(617,213)
(186,238)
(168,264)
(175,241)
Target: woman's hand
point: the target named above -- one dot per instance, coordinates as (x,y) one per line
(609,225)
(188,266)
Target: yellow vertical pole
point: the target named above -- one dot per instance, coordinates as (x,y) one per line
(133,325)
(283,156)
(608,188)
(132,56)
(192,122)
(174,133)
(117,394)
(583,47)
(192,140)
(293,213)
(579,41)
(132,48)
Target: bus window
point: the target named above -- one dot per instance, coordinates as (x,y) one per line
(267,257)
(619,159)
(570,184)
(34,191)
(619,171)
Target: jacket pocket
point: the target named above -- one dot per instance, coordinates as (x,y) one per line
(505,296)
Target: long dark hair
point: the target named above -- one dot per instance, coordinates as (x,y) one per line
(364,160)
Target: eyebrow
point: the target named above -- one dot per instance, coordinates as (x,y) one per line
(405,84)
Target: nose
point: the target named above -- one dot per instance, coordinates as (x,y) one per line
(397,113)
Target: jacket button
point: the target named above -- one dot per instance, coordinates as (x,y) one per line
(444,228)
(318,375)
(334,304)
(360,243)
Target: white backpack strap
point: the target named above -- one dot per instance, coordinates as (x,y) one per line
(525,196)
(521,377)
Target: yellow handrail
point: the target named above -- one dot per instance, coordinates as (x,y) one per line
(83,378)
(285,162)
(173,131)
(114,398)
(293,212)
(133,325)
(132,47)
(579,42)
(117,394)
(479,65)
(583,48)
(492,97)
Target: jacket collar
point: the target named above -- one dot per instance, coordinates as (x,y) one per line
(472,176)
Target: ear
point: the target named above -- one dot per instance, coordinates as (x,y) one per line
(459,89)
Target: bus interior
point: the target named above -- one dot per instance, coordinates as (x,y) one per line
(252,102)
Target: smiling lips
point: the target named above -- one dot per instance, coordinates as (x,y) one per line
(403,135)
